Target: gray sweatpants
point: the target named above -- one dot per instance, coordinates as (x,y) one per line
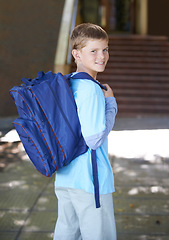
(79,219)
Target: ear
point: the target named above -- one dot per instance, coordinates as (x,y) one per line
(75,54)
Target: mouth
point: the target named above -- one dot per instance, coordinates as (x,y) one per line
(100,63)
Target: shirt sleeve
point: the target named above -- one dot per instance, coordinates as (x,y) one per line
(97,140)
(91,108)
(96,114)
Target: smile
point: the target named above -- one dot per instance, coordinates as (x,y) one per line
(100,63)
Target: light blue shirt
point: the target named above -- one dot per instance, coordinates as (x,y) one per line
(96,117)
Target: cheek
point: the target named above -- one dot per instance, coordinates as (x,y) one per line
(107,57)
(89,58)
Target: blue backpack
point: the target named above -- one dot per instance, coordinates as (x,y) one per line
(49,126)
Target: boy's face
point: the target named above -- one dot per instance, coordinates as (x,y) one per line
(93,57)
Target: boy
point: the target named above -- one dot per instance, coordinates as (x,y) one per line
(78,217)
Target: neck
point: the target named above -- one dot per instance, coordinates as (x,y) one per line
(91,73)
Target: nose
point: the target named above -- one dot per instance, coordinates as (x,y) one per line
(101,55)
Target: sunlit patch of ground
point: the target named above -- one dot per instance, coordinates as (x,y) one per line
(149,145)
(11,149)
(11,136)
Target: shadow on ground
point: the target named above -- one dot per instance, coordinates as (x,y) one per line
(28,207)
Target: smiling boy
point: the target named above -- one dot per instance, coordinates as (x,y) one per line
(78,218)
(93,57)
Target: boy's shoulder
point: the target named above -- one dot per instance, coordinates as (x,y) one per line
(85,85)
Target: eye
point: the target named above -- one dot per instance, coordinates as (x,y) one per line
(105,50)
(93,51)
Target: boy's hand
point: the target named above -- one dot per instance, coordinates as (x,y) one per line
(109,92)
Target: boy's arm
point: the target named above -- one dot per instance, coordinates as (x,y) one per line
(96,112)
(97,140)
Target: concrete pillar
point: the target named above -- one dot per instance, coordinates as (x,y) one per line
(141,17)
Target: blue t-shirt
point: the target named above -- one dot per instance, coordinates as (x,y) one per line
(90,103)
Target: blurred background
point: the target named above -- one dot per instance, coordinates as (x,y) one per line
(34,37)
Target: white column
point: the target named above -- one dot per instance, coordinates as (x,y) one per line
(141,17)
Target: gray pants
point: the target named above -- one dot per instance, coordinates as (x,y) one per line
(79,219)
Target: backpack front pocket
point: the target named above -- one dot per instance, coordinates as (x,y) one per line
(35,146)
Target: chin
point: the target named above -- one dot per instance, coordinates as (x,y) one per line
(101,70)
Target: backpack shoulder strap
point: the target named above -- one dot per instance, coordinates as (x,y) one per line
(84,75)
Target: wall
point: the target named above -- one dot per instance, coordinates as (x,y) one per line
(28,40)
(158,17)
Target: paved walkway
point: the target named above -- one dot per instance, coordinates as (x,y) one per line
(28,207)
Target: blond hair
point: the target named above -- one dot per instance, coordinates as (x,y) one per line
(85,31)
